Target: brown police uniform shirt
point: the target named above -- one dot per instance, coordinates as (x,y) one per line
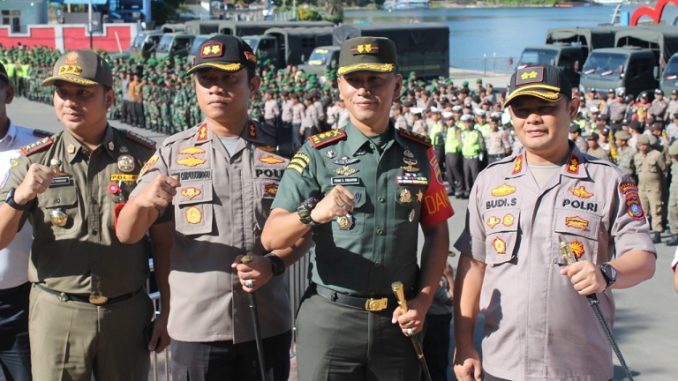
(219,212)
(536,325)
(650,169)
(81,255)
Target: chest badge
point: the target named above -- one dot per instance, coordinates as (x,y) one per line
(270,159)
(507,220)
(191,161)
(503,190)
(405,196)
(345,222)
(492,222)
(499,245)
(193,215)
(346,171)
(411,216)
(191,192)
(407,153)
(126,163)
(577,248)
(191,151)
(581,192)
(410,168)
(330,154)
(58,217)
(345,160)
(577,223)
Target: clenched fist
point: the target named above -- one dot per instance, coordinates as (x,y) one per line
(337,202)
(159,193)
(37,180)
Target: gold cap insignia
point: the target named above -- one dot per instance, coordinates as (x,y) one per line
(212,50)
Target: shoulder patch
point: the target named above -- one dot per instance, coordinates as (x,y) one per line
(41,133)
(144,141)
(325,138)
(36,146)
(419,138)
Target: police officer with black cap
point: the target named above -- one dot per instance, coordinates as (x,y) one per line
(217,181)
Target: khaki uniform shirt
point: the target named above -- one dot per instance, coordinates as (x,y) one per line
(625,159)
(395,192)
(219,212)
(650,169)
(83,256)
(658,108)
(536,325)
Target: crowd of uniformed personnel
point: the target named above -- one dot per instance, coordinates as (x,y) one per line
(467,124)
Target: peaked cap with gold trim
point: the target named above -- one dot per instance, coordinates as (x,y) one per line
(227,53)
(367,54)
(544,82)
(82,67)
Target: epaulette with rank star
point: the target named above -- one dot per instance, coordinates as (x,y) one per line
(144,141)
(36,146)
(419,138)
(41,133)
(324,138)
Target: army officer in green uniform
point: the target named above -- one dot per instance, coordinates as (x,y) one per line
(88,306)
(363,192)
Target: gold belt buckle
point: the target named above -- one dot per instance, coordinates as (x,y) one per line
(376,305)
(98,299)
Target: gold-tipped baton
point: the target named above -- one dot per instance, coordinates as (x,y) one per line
(399,292)
(570,258)
(255,321)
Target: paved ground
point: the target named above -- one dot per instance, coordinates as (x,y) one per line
(646,314)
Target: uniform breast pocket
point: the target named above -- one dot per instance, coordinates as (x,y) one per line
(60,209)
(580,231)
(408,203)
(352,223)
(501,237)
(193,209)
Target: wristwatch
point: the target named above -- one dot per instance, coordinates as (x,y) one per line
(10,201)
(277,264)
(609,273)
(304,210)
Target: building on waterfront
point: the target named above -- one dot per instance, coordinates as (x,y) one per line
(17,14)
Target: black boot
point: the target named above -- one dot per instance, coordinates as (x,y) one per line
(673,241)
(656,237)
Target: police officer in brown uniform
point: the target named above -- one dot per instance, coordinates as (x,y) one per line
(538,324)
(650,166)
(89,308)
(220,178)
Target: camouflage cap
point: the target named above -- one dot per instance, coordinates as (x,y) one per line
(82,67)
(544,82)
(376,54)
(227,53)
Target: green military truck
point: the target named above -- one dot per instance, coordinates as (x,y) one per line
(634,64)
(288,46)
(174,45)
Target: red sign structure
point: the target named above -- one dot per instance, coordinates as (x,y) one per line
(65,37)
(654,13)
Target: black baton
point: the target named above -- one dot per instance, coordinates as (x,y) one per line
(255,321)
(397,288)
(570,258)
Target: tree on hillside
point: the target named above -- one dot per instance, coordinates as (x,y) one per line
(165,10)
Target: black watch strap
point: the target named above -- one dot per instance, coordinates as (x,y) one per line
(10,201)
(277,264)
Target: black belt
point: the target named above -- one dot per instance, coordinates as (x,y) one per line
(97,300)
(373,304)
(15,290)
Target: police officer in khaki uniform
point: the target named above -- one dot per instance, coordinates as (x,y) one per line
(673,196)
(89,308)
(364,192)
(220,177)
(649,167)
(624,152)
(538,324)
